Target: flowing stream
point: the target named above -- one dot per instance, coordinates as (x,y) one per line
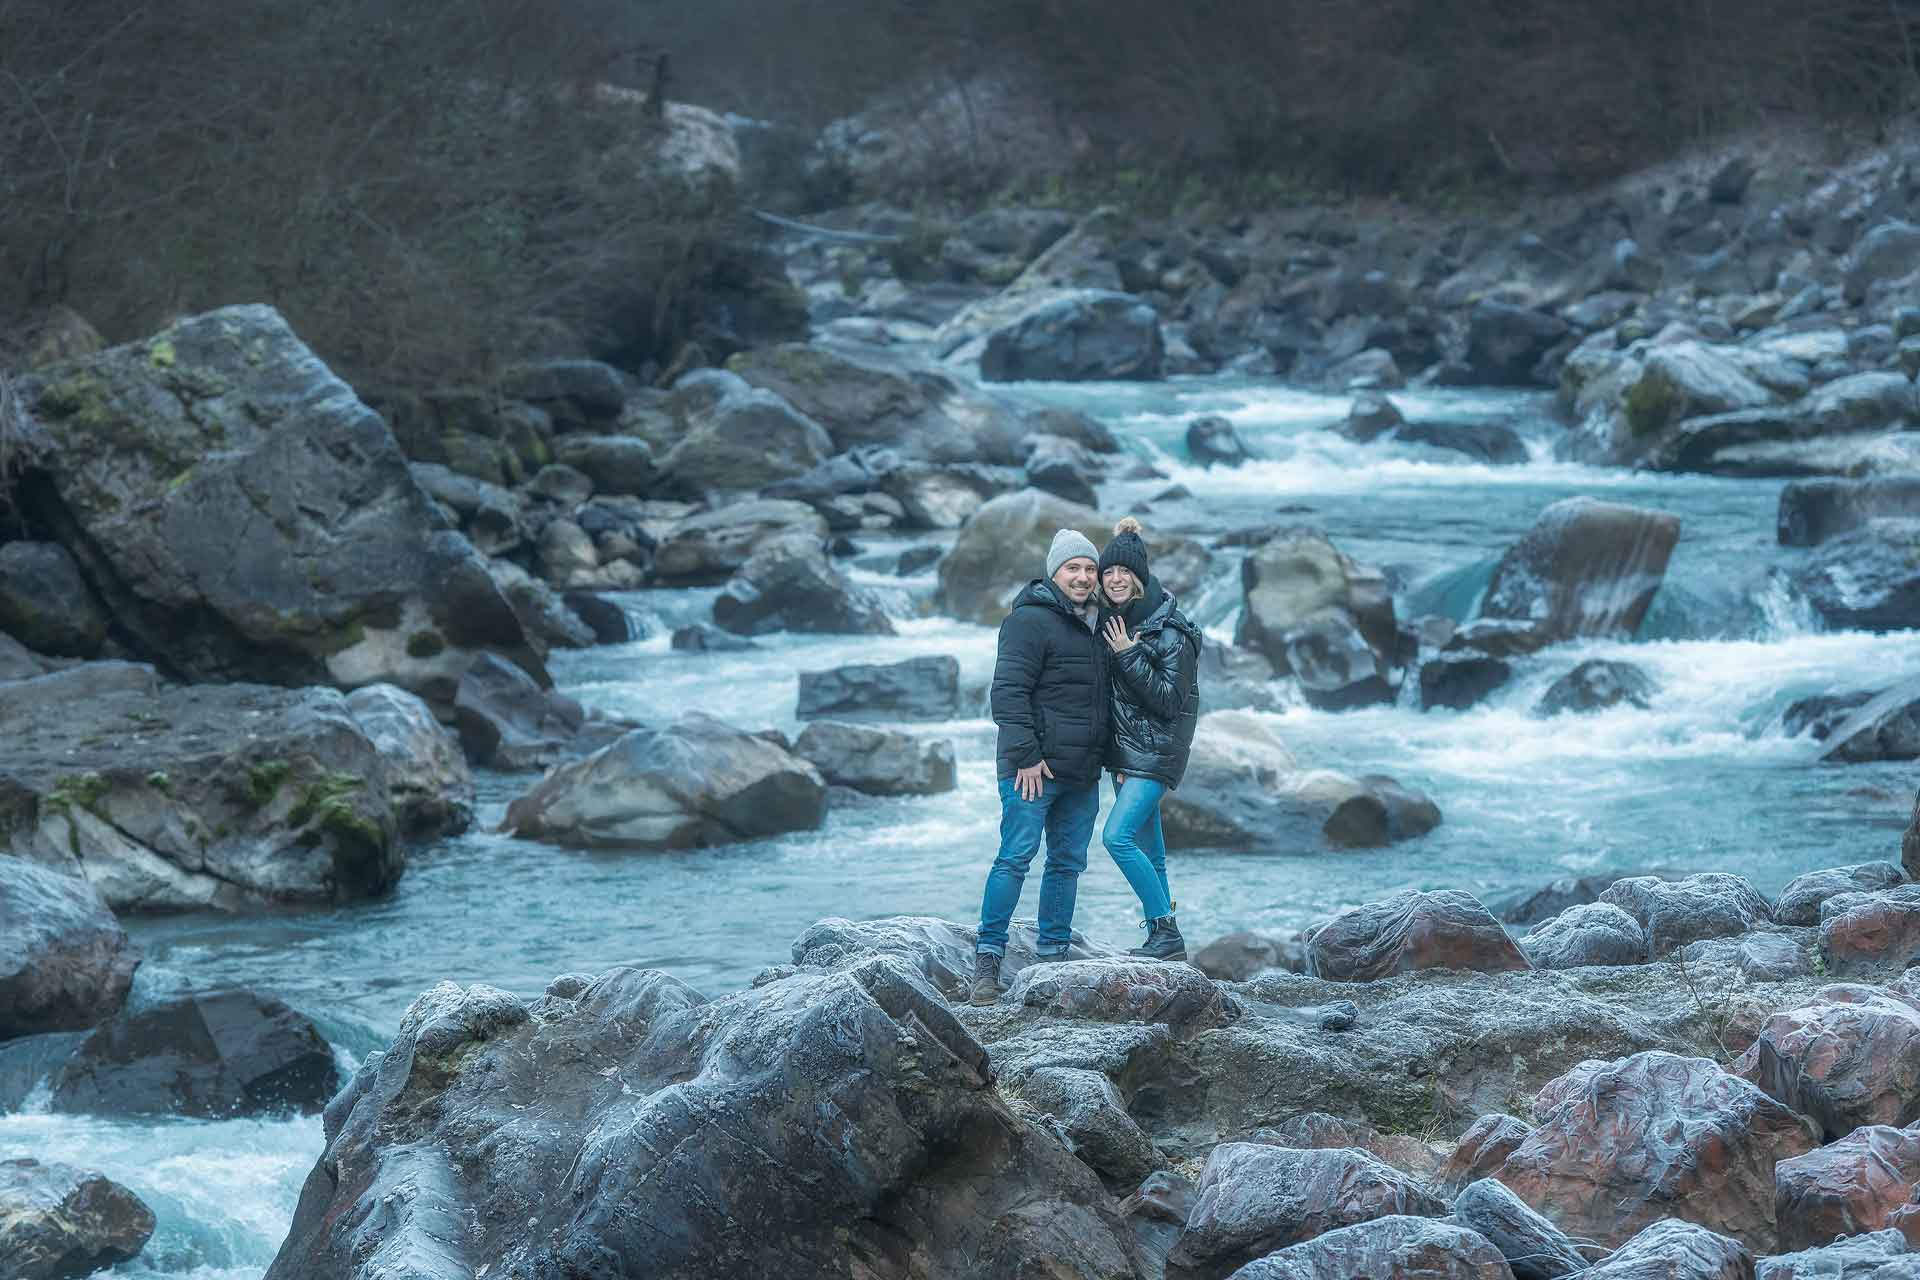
(1704,781)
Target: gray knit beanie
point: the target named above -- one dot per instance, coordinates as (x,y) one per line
(1067,544)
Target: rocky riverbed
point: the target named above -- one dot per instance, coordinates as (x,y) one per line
(1547,809)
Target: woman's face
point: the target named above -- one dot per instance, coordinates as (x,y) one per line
(1120,584)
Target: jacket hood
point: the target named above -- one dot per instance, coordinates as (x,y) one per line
(1043,594)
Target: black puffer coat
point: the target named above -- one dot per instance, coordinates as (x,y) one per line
(1154,689)
(1049,688)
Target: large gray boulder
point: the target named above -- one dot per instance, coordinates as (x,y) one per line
(1813,511)
(65,962)
(620,465)
(243,516)
(1887,727)
(696,782)
(1866,580)
(747,438)
(788,584)
(926,688)
(636,1129)
(881,762)
(712,545)
(506,721)
(1586,568)
(58,1222)
(1598,685)
(1888,251)
(1883,1254)
(212,1054)
(1390,1247)
(1315,612)
(1091,1117)
(427,776)
(1712,904)
(45,603)
(150,793)
(1244,790)
(1688,379)
(1002,547)
(1076,336)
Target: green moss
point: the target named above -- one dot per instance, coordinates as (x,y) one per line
(161,352)
(425,644)
(77,791)
(264,781)
(160,782)
(1649,405)
(180,480)
(328,802)
(83,398)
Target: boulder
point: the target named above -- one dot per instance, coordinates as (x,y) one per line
(1125,989)
(1688,379)
(428,780)
(211,1054)
(1866,580)
(1393,1248)
(925,688)
(490,516)
(1853,1185)
(245,517)
(45,603)
(559,484)
(628,1118)
(1333,664)
(1884,728)
(1768,957)
(1157,1213)
(697,782)
(620,465)
(917,408)
(1598,685)
(1076,336)
(1254,1199)
(1586,568)
(1550,899)
(1592,933)
(149,792)
(548,622)
(1623,1144)
(946,496)
(1457,682)
(1482,1149)
(567,555)
(1002,547)
(1239,956)
(1298,578)
(1063,468)
(1092,1119)
(1799,903)
(1887,252)
(1816,510)
(747,438)
(1847,1059)
(1371,416)
(1675,912)
(788,584)
(1498,638)
(1442,929)
(1819,715)
(578,393)
(940,952)
(712,546)
(1676,1250)
(605,618)
(1243,790)
(1212,441)
(1505,344)
(65,963)
(879,762)
(1493,444)
(1860,1257)
(1879,934)
(59,1222)
(1861,402)
(505,721)
(1534,1248)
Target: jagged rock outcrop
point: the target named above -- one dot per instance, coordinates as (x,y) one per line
(59,1222)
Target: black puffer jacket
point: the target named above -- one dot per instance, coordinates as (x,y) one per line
(1049,688)
(1155,689)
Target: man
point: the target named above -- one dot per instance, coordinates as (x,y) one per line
(1050,703)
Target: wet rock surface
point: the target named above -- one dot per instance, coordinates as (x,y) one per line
(917,689)
(1849,1058)
(877,761)
(65,962)
(1586,568)
(58,1222)
(1443,929)
(1853,1185)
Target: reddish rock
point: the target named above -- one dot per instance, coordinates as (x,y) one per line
(1881,933)
(1317,1129)
(1482,1149)
(1443,929)
(1849,1057)
(1856,1184)
(1675,1250)
(1396,1248)
(1624,1144)
(1254,1199)
(1906,1220)
(1122,990)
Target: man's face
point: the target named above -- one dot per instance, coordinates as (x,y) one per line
(1076,579)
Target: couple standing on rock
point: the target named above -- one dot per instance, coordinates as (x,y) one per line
(1096,666)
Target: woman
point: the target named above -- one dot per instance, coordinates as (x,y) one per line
(1154,692)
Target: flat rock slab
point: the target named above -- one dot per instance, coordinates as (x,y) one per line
(1623,1144)
(170,797)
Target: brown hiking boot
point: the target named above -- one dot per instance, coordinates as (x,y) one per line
(986,978)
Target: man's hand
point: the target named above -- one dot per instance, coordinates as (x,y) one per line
(1028,781)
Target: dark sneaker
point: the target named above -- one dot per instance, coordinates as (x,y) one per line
(986,977)
(1163,941)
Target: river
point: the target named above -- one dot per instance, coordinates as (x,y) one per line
(1703,781)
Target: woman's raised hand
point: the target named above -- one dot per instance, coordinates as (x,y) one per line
(1117,637)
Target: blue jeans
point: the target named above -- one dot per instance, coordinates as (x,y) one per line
(1064,813)
(1139,849)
